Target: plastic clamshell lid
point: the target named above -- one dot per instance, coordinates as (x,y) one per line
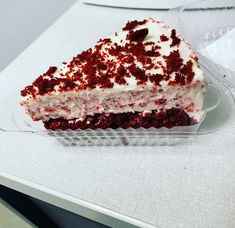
(209,26)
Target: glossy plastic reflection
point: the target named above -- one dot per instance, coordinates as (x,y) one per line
(204,22)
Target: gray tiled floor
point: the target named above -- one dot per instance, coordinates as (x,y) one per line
(9,219)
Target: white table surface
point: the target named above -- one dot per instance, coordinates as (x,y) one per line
(187,185)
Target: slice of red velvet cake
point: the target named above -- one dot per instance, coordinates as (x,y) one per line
(147,75)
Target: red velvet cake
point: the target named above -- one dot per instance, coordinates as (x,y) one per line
(147,75)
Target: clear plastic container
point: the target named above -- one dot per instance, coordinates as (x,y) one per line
(219,110)
(204,24)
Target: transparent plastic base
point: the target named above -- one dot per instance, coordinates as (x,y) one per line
(127,137)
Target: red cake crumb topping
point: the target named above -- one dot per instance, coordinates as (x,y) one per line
(184,72)
(139,74)
(187,71)
(168,118)
(164,38)
(156,78)
(175,39)
(138,35)
(92,68)
(28,90)
(149,43)
(51,70)
(173,62)
(67,85)
(45,85)
(133,24)
(120,77)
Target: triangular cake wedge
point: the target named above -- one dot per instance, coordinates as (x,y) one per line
(146,75)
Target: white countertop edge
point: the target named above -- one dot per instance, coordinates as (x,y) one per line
(70,203)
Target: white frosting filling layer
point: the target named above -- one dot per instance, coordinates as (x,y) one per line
(69,106)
